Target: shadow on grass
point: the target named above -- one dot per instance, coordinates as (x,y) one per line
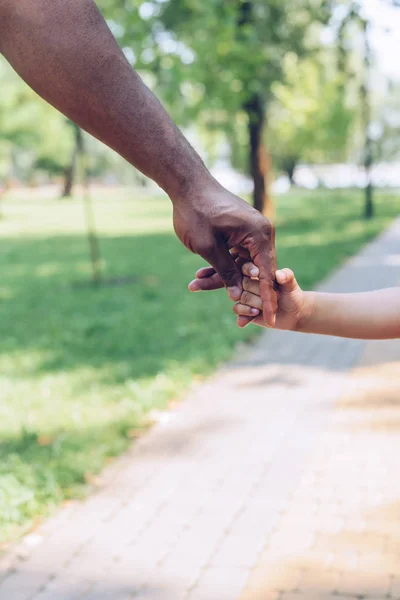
(137,329)
(75,362)
(140,327)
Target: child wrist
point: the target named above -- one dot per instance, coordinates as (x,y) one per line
(307,312)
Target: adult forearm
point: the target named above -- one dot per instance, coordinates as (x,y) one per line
(67,54)
(370,315)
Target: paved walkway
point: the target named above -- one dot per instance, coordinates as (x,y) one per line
(276,480)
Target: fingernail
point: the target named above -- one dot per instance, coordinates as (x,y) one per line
(254,272)
(234,292)
(255,311)
(282,275)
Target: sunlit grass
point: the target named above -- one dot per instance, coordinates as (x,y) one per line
(80,368)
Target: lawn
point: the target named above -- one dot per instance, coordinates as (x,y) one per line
(81,367)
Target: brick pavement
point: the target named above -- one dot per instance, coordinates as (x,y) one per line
(276,480)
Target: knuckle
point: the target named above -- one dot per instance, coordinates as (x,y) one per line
(250,286)
(254,289)
(246,298)
(267,228)
(246,284)
(262,231)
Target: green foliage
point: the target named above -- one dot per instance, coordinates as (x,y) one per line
(32,133)
(80,368)
(34,137)
(49,164)
(309,118)
(206,60)
(387,145)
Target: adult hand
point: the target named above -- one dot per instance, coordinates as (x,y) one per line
(211,222)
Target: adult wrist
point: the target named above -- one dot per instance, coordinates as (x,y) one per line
(189,187)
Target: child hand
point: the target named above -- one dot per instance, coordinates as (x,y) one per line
(291,300)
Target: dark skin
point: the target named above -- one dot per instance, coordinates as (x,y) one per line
(65,51)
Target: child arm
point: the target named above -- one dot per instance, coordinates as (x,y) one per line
(367,315)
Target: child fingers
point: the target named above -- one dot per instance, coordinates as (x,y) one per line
(243,310)
(249,269)
(251,285)
(286,279)
(244,321)
(251,300)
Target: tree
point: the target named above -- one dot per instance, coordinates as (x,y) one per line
(71,167)
(32,133)
(94,246)
(356,21)
(388,144)
(218,59)
(310,119)
(34,137)
(366,118)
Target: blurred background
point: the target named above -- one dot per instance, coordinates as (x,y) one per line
(293,105)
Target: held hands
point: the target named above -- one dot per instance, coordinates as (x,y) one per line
(292,301)
(212,224)
(293,304)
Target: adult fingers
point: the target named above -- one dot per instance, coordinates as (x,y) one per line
(223,262)
(206,284)
(262,250)
(214,280)
(205,272)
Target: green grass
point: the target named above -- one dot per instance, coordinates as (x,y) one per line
(81,367)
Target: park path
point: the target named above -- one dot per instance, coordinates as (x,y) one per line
(278,479)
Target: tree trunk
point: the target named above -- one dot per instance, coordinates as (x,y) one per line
(70,174)
(94,246)
(254,107)
(366,121)
(2,192)
(259,160)
(369,201)
(289,167)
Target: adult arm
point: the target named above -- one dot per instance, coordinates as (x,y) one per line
(64,50)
